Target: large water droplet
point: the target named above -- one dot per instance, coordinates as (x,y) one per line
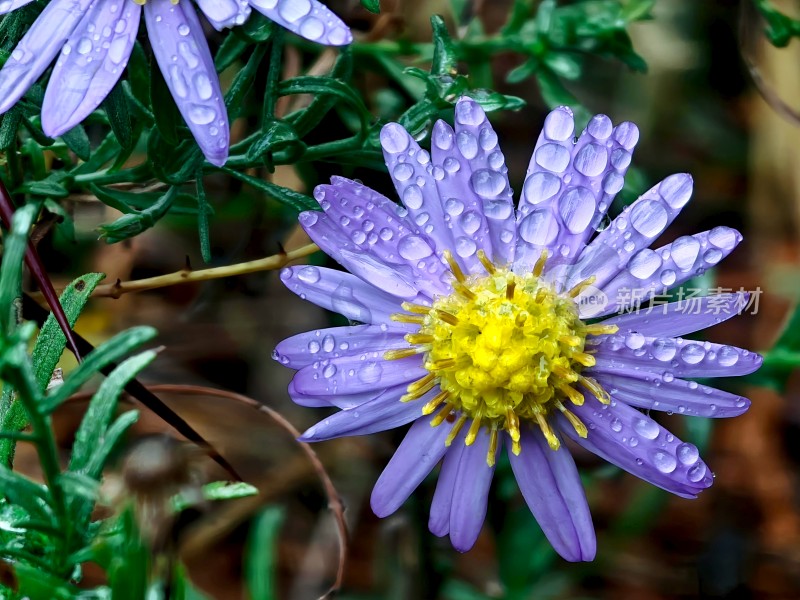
(179,84)
(692,354)
(552,157)
(370,372)
(697,472)
(412,197)
(649,218)
(394,138)
(559,125)
(202,84)
(465,247)
(84,46)
(487,183)
(591,160)
(183,29)
(540,186)
(539,228)
(467,144)
(664,349)
(688,454)
(664,462)
(402,172)
(309,274)
(413,247)
(727,356)
(577,208)
(312,28)
(470,222)
(616,425)
(644,264)
(676,190)
(294,10)
(328,343)
(201,114)
(646,428)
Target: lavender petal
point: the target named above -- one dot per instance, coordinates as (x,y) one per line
(471,493)
(634,442)
(418,453)
(551,485)
(341,292)
(224,13)
(355,374)
(343,401)
(88,69)
(442,502)
(37,48)
(664,392)
(682,317)
(303,349)
(634,229)
(181,50)
(307,18)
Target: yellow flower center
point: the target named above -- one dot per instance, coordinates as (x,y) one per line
(503,348)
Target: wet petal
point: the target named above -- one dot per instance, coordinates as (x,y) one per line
(37,48)
(442,503)
(682,317)
(675,356)
(471,493)
(653,271)
(180,47)
(634,442)
(357,374)
(341,292)
(666,393)
(8,6)
(307,18)
(418,453)
(376,225)
(386,411)
(551,485)
(224,13)
(303,349)
(634,229)
(339,400)
(90,64)
(411,171)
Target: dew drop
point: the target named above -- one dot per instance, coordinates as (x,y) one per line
(646,428)
(309,275)
(664,462)
(687,454)
(413,247)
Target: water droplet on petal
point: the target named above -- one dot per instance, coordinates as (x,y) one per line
(688,454)
(647,428)
(664,462)
(414,248)
(696,473)
(84,46)
(309,275)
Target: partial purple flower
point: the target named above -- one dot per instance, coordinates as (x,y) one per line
(476,313)
(95,38)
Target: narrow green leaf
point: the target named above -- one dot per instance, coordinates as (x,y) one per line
(291,198)
(110,441)
(101,410)
(373,6)
(79,487)
(119,117)
(232,47)
(45,187)
(20,490)
(262,554)
(134,223)
(203,210)
(77,141)
(217,490)
(15,245)
(37,584)
(9,128)
(111,351)
(276,136)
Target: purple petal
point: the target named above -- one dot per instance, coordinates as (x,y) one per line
(664,392)
(682,317)
(417,455)
(303,349)
(225,13)
(396,279)
(341,292)
(339,400)
(471,493)
(409,166)
(355,374)
(653,271)
(551,485)
(180,47)
(89,68)
(442,503)
(676,356)
(376,225)
(10,6)
(634,229)
(307,18)
(386,411)
(634,442)
(37,48)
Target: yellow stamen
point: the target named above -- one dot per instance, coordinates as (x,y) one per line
(574,395)
(582,286)
(487,264)
(587,360)
(576,423)
(456,428)
(600,329)
(570,340)
(464,291)
(538,268)
(596,389)
(516,447)
(401,353)
(446,317)
(473,431)
(510,286)
(551,438)
(421,383)
(512,424)
(434,402)
(419,338)
(403,318)
(490,454)
(442,415)
(442,364)
(564,374)
(420,309)
(454,268)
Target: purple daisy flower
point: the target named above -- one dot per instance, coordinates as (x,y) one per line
(95,38)
(477,313)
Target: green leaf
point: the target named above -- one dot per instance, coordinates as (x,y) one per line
(203,210)
(37,584)
(110,351)
(79,487)
(134,223)
(9,127)
(232,47)
(217,490)
(45,187)
(261,555)
(31,496)
(234,99)
(119,117)
(88,438)
(110,441)
(15,245)
(291,198)
(445,60)
(277,135)
(77,141)
(373,6)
